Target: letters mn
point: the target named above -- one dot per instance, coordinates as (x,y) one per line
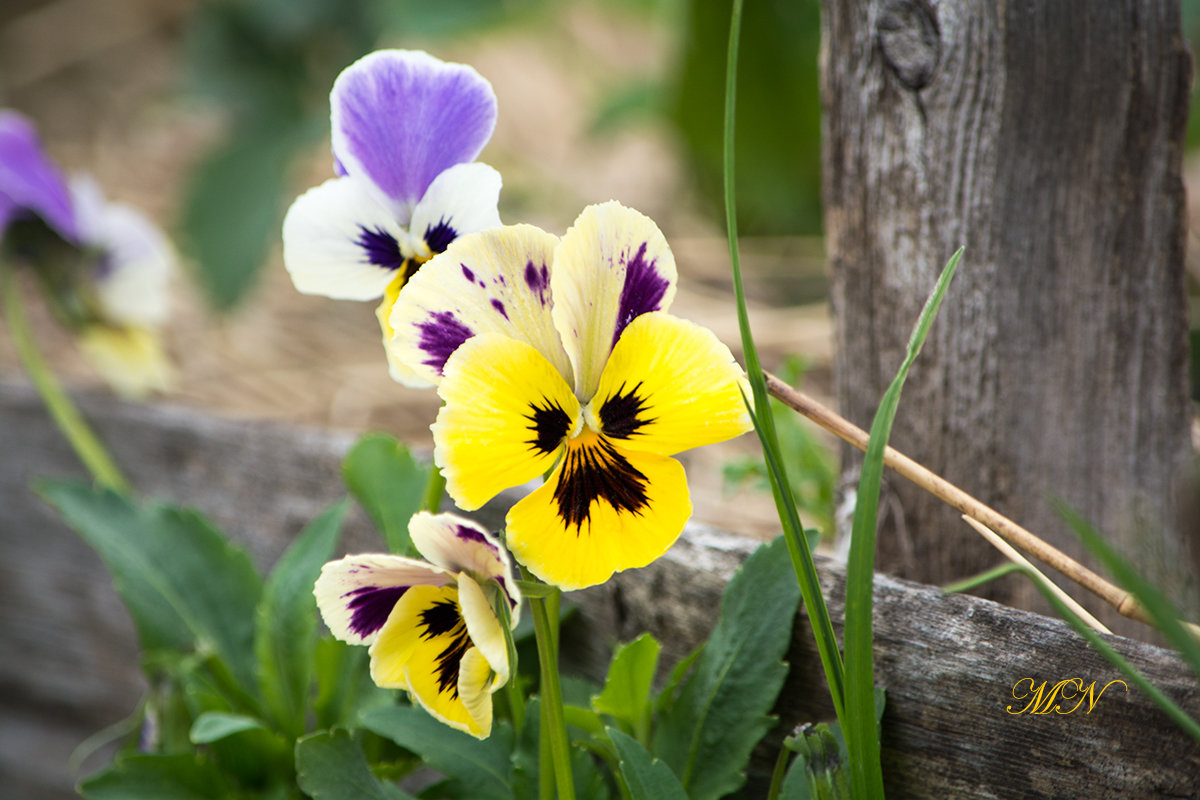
(1043,700)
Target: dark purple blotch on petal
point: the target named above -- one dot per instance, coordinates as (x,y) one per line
(538,280)
(370,607)
(467,273)
(496,304)
(381,248)
(438,237)
(643,291)
(469,534)
(441,335)
(444,619)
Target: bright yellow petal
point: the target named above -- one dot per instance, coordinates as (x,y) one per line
(669,385)
(506,413)
(611,266)
(493,281)
(131,359)
(603,510)
(421,649)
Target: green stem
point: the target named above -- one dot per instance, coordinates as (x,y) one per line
(778,773)
(554,723)
(64,413)
(435,487)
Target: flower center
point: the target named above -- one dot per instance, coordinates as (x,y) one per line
(595,471)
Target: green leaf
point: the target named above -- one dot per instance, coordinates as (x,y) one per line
(286,622)
(156,777)
(184,582)
(213,726)
(626,694)
(383,476)
(330,765)
(722,712)
(666,698)
(646,776)
(859,725)
(585,719)
(233,208)
(344,687)
(479,768)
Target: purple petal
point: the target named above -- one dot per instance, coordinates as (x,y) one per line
(643,291)
(29,180)
(402,117)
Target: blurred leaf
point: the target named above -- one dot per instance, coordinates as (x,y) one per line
(383,476)
(286,621)
(646,776)
(344,687)
(778,111)
(183,581)
(330,765)
(156,777)
(627,688)
(706,736)
(478,768)
(215,725)
(233,209)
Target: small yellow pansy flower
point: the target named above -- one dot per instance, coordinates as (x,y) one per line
(557,357)
(431,626)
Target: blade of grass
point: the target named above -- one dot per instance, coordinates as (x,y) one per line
(862,739)
(975,581)
(798,550)
(1164,615)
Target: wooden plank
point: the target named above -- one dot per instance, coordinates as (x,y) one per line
(949,663)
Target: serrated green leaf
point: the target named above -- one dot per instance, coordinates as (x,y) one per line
(478,768)
(184,582)
(213,726)
(156,777)
(383,476)
(330,765)
(722,711)
(647,777)
(286,621)
(626,694)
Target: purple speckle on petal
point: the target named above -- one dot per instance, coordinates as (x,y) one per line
(467,273)
(380,248)
(496,304)
(538,280)
(370,607)
(441,335)
(643,291)
(438,237)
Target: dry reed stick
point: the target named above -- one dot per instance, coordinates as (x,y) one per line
(1013,555)
(1121,600)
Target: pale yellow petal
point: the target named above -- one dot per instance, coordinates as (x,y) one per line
(669,385)
(476,682)
(506,413)
(610,267)
(602,511)
(485,630)
(131,359)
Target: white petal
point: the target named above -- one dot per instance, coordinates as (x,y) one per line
(461,200)
(338,242)
(357,593)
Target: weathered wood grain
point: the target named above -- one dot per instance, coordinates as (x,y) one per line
(69,659)
(1046,136)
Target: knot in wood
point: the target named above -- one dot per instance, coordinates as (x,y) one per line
(910,41)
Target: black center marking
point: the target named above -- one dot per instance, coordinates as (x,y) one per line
(596,472)
(442,619)
(622,414)
(549,424)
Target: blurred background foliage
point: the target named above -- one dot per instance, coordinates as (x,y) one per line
(268,65)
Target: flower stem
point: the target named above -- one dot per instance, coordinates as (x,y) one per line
(554,724)
(434,489)
(64,413)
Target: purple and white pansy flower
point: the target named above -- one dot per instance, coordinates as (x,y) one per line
(431,625)
(116,295)
(407,128)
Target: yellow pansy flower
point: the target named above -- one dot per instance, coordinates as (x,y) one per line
(557,357)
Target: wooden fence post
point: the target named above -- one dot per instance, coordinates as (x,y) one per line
(1047,137)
